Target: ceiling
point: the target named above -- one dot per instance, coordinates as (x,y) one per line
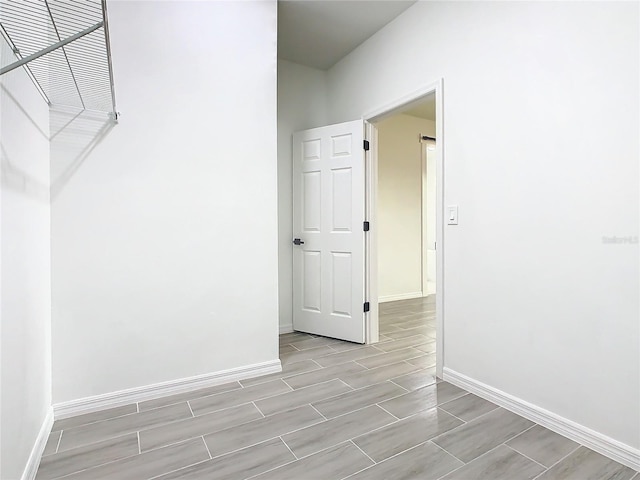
(318,33)
(426,108)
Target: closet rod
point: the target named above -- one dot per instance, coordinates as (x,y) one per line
(49,49)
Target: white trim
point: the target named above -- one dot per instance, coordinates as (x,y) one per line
(286,328)
(423,218)
(392,108)
(372,328)
(440,169)
(376,115)
(31,468)
(158,390)
(599,442)
(401,296)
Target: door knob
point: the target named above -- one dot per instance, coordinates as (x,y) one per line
(297,241)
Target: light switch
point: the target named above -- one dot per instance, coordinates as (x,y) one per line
(452,215)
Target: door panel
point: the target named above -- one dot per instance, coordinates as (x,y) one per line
(328,214)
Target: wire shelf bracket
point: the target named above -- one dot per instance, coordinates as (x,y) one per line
(64,47)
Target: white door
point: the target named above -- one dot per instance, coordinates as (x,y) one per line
(328,219)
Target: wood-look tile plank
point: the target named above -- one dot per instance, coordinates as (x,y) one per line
(149,464)
(347,356)
(585,464)
(408,315)
(389,357)
(404,434)
(383,338)
(502,463)
(429,348)
(424,462)
(95,432)
(324,374)
(416,380)
(417,322)
(212,403)
(424,361)
(77,459)
(183,397)
(344,346)
(287,371)
(330,432)
(93,417)
(302,396)
(386,329)
(422,399)
(478,436)
(244,463)
(52,443)
(251,433)
(197,426)
(311,353)
(425,331)
(357,399)
(333,463)
(315,342)
(287,338)
(377,375)
(542,445)
(287,349)
(404,343)
(468,407)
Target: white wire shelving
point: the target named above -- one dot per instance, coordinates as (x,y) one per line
(64,47)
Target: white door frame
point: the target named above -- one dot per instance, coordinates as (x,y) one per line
(371,246)
(423,218)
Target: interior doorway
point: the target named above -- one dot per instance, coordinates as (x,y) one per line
(405,200)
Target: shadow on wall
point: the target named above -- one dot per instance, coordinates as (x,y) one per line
(74,135)
(14,176)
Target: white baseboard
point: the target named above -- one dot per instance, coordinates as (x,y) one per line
(402,296)
(150,392)
(603,444)
(33,462)
(286,328)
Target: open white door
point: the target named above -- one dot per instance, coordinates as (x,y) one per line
(328,219)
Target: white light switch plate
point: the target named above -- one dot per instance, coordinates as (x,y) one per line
(452,215)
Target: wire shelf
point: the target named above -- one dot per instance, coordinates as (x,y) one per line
(75,74)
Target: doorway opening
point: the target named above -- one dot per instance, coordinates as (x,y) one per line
(406,230)
(405,203)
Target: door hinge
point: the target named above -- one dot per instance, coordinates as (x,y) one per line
(366,145)
(365,226)
(366,306)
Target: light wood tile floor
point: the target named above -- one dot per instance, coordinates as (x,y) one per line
(337,410)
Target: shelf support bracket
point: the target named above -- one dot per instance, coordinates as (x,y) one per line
(50,49)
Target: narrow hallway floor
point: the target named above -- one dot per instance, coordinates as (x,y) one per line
(337,410)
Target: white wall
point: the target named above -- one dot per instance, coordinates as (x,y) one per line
(25,358)
(302,104)
(536,305)
(399,206)
(164,233)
